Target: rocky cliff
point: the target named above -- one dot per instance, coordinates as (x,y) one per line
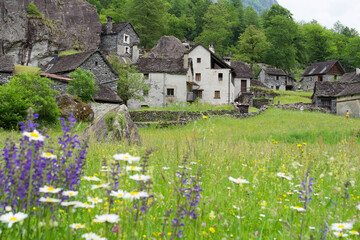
(60,25)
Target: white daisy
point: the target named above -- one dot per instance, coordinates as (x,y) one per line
(77,225)
(340,234)
(8,208)
(49,189)
(11,218)
(312,228)
(165,168)
(94,200)
(92,178)
(341,226)
(282,175)
(92,236)
(126,157)
(139,177)
(84,205)
(102,185)
(34,136)
(299,209)
(353,232)
(71,203)
(238,180)
(358,207)
(136,195)
(51,200)
(132,168)
(70,193)
(48,155)
(111,218)
(118,193)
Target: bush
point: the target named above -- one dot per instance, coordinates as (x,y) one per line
(33,11)
(25,91)
(83,85)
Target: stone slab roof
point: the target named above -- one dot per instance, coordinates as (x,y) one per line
(106,95)
(275,71)
(328,89)
(69,63)
(350,89)
(56,77)
(321,68)
(350,77)
(257,83)
(116,28)
(161,65)
(7,64)
(168,47)
(242,70)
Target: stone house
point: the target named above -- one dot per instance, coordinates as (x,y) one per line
(242,81)
(325,94)
(321,71)
(93,61)
(349,100)
(120,39)
(7,68)
(275,78)
(214,77)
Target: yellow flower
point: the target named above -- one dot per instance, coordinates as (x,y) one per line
(212,230)
(144,236)
(204,117)
(299,145)
(169,233)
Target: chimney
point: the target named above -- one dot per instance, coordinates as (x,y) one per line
(211,48)
(109,25)
(135,53)
(357,71)
(186,61)
(56,56)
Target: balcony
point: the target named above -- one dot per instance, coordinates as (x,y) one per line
(190,97)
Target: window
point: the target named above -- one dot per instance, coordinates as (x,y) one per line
(217,94)
(96,63)
(277,87)
(127,50)
(220,75)
(146,76)
(198,76)
(277,77)
(335,77)
(198,94)
(170,92)
(198,60)
(320,78)
(126,38)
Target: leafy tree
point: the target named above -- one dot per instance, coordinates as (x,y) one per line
(251,17)
(197,10)
(131,84)
(252,45)
(83,85)
(181,27)
(236,10)
(25,91)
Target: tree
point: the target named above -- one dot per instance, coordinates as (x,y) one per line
(83,85)
(251,17)
(197,9)
(252,45)
(25,91)
(131,84)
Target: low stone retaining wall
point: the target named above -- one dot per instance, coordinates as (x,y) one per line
(260,102)
(169,118)
(297,106)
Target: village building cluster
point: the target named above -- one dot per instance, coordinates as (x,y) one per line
(181,72)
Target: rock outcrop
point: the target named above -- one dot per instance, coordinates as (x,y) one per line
(71,105)
(115,125)
(62,25)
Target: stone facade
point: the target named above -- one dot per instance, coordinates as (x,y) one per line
(327,103)
(4,77)
(308,82)
(272,81)
(60,86)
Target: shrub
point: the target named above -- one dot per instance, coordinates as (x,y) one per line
(33,11)
(25,91)
(83,85)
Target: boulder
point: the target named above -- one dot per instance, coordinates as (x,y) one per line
(115,125)
(71,105)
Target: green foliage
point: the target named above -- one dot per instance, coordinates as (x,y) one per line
(25,91)
(83,85)
(70,52)
(109,120)
(131,84)
(33,11)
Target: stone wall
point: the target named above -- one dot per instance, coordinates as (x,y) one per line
(306,106)
(257,103)
(4,77)
(59,86)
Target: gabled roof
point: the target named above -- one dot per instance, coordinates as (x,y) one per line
(69,63)
(275,71)
(107,95)
(117,28)
(168,47)
(7,64)
(161,65)
(350,77)
(321,68)
(350,89)
(242,70)
(257,83)
(328,89)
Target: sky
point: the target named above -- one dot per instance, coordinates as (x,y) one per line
(326,12)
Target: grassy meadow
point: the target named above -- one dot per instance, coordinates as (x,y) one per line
(295,175)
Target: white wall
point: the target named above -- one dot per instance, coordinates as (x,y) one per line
(209,78)
(350,103)
(237,85)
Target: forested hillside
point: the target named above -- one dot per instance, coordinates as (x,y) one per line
(259,5)
(272,37)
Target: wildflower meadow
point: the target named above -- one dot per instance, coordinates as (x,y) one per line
(279,175)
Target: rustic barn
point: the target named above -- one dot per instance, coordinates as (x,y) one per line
(325,94)
(276,79)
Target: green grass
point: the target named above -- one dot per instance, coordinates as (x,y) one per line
(294,93)
(287,99)
(322,146)
(27,69)
(70,52)
(196,106)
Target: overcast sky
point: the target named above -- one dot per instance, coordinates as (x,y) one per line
(326,12)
